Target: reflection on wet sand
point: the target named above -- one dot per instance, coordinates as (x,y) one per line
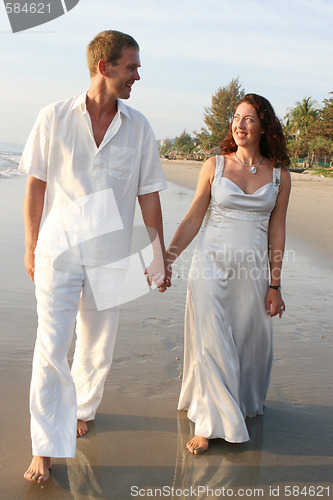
(83,473)
(79,480)
(225,465)
(290,446)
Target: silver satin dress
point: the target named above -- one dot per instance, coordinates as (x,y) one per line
(228,334)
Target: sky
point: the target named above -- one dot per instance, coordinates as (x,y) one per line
(281,49)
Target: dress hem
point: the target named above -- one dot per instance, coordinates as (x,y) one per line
(229,440)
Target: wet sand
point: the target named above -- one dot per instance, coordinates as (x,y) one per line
(137,440)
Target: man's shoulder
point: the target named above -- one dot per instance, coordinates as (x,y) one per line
(58,107)
(133,114)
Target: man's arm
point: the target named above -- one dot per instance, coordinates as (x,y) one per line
(152,217)
(33,209)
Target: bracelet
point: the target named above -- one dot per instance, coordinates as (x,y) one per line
(275,287)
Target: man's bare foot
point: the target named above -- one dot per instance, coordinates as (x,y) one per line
(39,469)
(81,428)
(198,445)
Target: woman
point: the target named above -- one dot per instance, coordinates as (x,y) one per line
(234,286)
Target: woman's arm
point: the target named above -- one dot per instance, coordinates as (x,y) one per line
(276,243)
(192,221)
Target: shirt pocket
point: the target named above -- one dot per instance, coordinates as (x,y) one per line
(121,162)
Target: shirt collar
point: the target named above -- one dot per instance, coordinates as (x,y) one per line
(81,101)
(123,108)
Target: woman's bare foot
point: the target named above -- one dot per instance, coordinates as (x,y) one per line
(198,445)
(81,428)
(39,469)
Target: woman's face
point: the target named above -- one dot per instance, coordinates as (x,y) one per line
(246,126)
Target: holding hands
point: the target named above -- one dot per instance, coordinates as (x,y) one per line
(159,272)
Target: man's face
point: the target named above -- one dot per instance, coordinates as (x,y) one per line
(123,73)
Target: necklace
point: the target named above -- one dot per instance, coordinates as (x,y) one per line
(253,169)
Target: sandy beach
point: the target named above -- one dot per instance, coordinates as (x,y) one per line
(135,447)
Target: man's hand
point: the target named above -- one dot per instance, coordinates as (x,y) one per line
(155,272)
(152,217)
(29,262)
(33,209)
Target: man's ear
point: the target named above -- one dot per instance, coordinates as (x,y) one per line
(101,65)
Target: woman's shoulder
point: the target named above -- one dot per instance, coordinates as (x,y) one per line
(284,179)
(285,174)
(208,168)
(210,164)
(214,161)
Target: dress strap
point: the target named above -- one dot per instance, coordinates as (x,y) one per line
(276,179)
(218,170)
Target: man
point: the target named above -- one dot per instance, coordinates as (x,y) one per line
(89,157)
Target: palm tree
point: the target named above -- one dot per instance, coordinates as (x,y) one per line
(326,118)
(301,116)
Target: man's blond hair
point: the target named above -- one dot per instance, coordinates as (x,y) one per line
(108,45)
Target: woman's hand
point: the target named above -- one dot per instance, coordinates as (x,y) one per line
(167,277)
(274,303)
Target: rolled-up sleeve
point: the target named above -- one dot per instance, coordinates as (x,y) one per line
(34,160)
(151,173)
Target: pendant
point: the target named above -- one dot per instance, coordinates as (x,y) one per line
(253,170)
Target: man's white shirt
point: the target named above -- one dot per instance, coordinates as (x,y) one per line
(91,191)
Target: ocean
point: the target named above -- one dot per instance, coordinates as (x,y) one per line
(10,155)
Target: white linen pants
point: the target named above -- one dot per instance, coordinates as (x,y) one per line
(59,396)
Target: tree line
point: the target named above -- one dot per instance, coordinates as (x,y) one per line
(308,129)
